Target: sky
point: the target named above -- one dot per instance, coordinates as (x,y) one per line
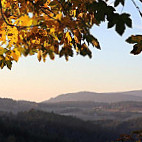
(111,69)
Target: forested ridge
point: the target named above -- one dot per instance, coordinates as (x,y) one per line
(38,126)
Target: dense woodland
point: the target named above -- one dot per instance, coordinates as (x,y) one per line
(38,126)
(23,121)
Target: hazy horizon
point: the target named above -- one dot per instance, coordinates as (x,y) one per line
(70,93)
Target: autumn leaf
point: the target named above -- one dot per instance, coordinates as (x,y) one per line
(137,40)
(68,36)
(15,54)
(56,28)
(91,39)
(39,55)
(59,16)
(12,34)
(1,50)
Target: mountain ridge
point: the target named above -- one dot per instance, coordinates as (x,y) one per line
(128,107)
(108,97)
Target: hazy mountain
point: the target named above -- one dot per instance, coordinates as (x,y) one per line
(10,105)
(99,97)
(134,93)
(84,105)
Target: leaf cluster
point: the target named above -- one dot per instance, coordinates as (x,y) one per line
(54,27)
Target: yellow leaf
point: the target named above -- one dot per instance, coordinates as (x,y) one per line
(4,3)
(74,13)
(12,34)
(34,22)
(59,16)
(44,55)
(39,55)
(52,30)
(24,21)
(2,65)
(68,36)
(3,35)
(6,58)
(1,58)
(15,54)
(1,50)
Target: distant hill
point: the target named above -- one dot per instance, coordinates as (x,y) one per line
(84,105)
(134,93)
(10,105)
(98,97)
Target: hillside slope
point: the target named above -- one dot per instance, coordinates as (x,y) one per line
(99,97)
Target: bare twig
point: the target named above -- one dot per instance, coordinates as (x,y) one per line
(42,9)
(137,7)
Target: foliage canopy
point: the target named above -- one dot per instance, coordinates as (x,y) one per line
(62,27)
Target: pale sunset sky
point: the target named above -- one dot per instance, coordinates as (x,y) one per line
(111,69)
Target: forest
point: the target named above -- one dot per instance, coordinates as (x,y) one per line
(39,126)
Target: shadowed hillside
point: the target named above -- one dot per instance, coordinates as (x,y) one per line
(38,126)
(85,110)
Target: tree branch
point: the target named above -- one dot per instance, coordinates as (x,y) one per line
(41,8)
(137,7)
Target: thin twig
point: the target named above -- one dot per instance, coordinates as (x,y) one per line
(48,10)
(40,8)
(137,7)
